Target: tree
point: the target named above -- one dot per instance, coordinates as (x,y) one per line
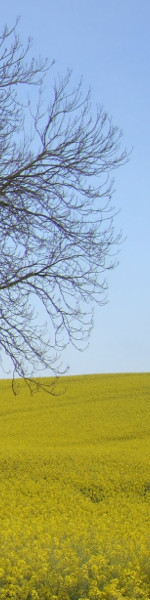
(56,219)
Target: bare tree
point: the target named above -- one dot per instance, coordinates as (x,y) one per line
(56,221)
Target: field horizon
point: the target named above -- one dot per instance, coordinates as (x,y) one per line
(75,489)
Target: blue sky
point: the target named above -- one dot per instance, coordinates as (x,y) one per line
(108,43)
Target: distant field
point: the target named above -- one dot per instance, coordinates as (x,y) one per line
(75,490)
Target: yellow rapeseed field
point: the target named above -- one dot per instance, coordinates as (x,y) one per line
(75,489)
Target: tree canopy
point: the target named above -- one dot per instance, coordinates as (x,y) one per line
(57,236)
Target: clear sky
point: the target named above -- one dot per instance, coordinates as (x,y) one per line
(108,43)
